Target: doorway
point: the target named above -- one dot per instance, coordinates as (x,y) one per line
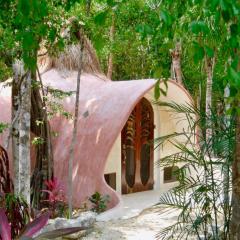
(137,149)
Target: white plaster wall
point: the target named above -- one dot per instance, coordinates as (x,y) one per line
(114,163)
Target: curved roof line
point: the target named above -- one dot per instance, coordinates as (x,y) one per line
(183,88)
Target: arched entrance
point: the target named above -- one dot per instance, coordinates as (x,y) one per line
(137,149)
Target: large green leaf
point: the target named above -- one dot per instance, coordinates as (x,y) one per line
(101,17)
(165,17)
(199,27)
(198,52)
(209,51)
(234,77)
(24,7)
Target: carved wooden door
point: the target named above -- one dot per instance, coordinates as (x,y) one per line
(137,149)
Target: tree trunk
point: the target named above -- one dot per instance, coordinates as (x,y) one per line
(226,168)
(44,159)
(110,57)
(176,70)
(75,132)
(209,66)
(18,73)
(24,138)
(235,220)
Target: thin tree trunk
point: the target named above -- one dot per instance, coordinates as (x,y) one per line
(226,170)
(44,159)
(209,66)
(176,70)
(110,57)
(75,132)
(17,71)
(24,138)
(235,221)
(48,130)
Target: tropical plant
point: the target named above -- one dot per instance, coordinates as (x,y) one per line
(99,202)
(56,198)
(202,196)
(17,212)
(33,228)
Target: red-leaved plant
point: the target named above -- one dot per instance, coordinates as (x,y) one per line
(16,210)
(29,230)
(33,228)
(56,198)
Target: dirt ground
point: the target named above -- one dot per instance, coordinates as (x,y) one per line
(145,226)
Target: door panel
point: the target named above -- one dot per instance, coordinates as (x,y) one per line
(145,163)
(137,149)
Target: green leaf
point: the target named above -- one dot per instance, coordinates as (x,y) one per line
(234,29)
(233,42)
(144,30)
(223,5)
(24,7)
(213,3)
(28,41)
(101,18)
(165,17)
(42,29)
(209,51)
(198,27)
(52,34)
(111,3)
(99,42)
(3,126)
(157,90)
(158,73)
(235,77)
(226,16)
(198,52)
(43,10)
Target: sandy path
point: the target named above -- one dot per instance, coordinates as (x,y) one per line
(142,227)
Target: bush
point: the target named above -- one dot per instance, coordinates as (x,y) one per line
(99,202)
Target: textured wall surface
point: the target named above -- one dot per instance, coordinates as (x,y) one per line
(104,109)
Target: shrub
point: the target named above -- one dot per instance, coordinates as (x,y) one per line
(17,212)
(33,228)
(56,198)
(99,202)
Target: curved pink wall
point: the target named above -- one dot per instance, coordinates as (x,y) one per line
(104,109)
(106,106)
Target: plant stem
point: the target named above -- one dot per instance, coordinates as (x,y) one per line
(74,137)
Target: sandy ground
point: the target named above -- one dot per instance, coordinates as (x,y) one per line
(145,226)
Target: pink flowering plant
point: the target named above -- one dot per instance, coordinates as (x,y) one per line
(55,201)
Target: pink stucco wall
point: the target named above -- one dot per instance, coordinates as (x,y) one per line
(104,109)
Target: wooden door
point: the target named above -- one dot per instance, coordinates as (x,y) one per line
(137,149)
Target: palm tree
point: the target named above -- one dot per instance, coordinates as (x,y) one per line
(199,196)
